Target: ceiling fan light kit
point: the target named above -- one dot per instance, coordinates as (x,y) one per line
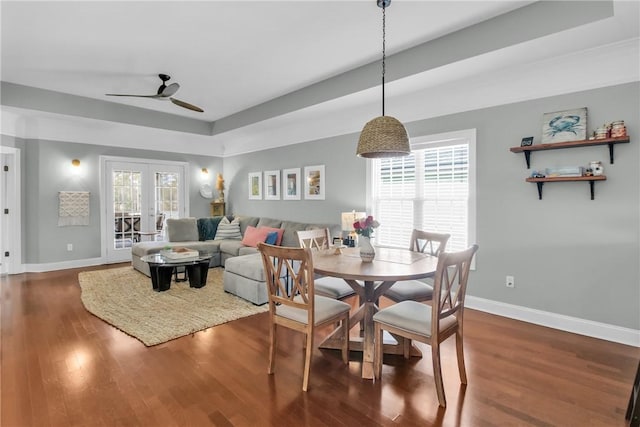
(165,92)
(384,136)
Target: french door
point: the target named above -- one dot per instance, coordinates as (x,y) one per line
(139,197)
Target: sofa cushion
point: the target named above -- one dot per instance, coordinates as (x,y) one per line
(207,227)
(182,229)
(249,266)
(230,247)
(228,230)
(290,238)
(246,221)
(269,222)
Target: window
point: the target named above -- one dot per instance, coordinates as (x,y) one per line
(432,189)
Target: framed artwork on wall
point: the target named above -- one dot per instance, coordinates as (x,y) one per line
(314,182)
(291,184)
(272,185)
(563,126)
(255,185)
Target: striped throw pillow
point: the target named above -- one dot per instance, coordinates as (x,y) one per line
(228,230)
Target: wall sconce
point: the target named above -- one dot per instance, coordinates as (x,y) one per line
(75,163)
(204,172)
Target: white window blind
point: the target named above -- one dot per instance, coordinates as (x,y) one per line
(432,189)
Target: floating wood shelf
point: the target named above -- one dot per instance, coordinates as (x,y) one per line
(591,179)
(569,144)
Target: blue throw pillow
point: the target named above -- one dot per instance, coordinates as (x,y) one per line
(272,238)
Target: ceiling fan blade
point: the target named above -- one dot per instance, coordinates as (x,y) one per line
(136,96)
(168,90)
(186,105)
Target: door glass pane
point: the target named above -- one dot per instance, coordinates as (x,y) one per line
(166,203)
(127,192)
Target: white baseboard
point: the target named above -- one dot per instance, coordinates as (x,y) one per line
(557,321)
(63,265)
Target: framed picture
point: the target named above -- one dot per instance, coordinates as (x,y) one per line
(291,184)
(272,185)
(314,182)
(255,185)
(563,126)
(527,142)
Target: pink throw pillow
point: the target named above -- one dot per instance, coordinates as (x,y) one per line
(252,236)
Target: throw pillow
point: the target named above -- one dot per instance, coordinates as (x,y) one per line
(228,230)
(280,232)
(272,238)
(252,236)
(182,230)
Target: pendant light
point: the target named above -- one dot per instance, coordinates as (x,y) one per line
(383,136)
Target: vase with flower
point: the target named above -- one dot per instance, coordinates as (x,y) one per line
(364,228)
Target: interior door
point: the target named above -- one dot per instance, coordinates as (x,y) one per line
(141,196)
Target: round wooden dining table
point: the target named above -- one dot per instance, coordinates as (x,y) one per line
(370,280)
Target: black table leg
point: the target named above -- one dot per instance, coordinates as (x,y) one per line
(160,277)
(197,274)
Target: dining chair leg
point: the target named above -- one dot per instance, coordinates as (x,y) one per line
(406,347)
(345,339)
(460,352)
(272,348)
(437,373)
(307,360)
(377,355)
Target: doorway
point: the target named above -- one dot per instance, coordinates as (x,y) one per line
(140,196)
(10,224)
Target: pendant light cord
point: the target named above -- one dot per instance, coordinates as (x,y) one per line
(384,18)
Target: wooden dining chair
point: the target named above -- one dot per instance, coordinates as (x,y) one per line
(293,304)
(431,324)
(417,290)
(332,287)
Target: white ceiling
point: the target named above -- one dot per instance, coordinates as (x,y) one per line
(229,56)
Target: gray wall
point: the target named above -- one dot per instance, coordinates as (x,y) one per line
(569,254)
(46,171)
(344,180)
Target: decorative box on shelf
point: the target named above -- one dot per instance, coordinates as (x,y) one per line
(179,252)
(564,171)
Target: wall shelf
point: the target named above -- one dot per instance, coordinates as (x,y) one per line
(569,144)
(591,179)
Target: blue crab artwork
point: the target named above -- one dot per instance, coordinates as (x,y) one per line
(566,123)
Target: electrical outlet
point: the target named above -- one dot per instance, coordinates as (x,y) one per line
(510,282)
(69,247)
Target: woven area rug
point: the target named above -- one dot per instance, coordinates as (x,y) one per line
(124,298)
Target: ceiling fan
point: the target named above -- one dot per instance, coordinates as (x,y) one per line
(165,92)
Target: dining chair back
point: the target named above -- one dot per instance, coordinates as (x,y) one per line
(431,324)
(293,304)
(419,290)
(332,287)
(428,242)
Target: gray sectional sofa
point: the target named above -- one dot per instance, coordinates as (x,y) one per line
(243,277)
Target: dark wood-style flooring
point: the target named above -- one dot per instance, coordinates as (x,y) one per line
(61,366)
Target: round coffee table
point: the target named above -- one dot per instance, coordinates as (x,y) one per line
(162,268)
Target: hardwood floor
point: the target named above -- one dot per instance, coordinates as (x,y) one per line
(61,366)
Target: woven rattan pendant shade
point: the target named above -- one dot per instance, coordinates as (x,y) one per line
(383,136)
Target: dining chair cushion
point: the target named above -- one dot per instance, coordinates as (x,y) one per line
(325,308)
(411,316)
(409,290)
(332,287)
